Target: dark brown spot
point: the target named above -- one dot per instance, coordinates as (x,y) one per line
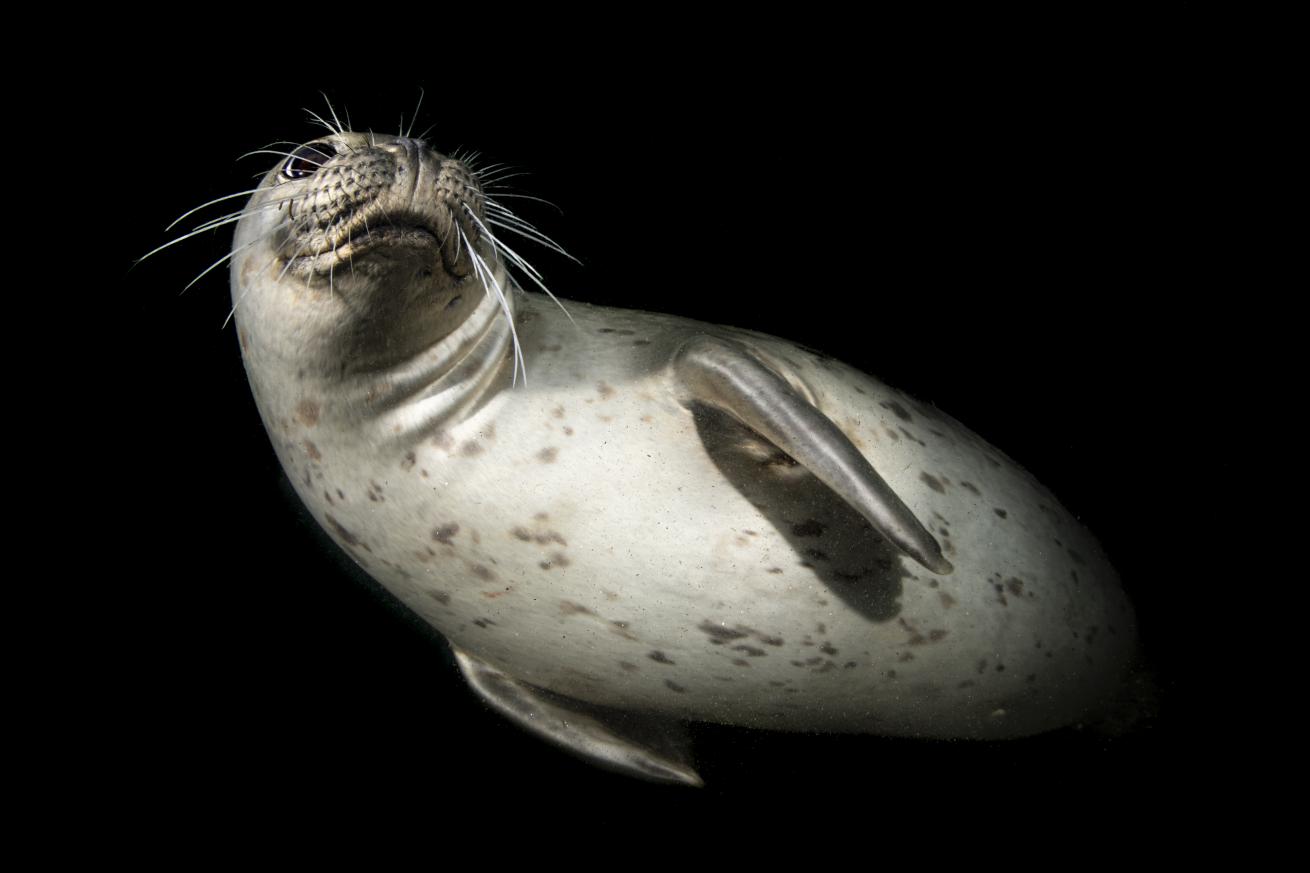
(628,666)
(741,662)
(307,412)
(808,528)
(558,559)
(445,533)
(674,686)
(549,536)
(1015,586)
(969,486)
(605,391)
(660,658)
(483,573)
(483,623)
(312,451)
(1001,512)
(947,600)
(775,570)
(828,649)
(548,455)
(905,656)
(410,460)
(568,607)
(344,535)
(912,437)
(933,482)
(471,448)
(899,411)
(749,650)
(440,596)
(522,533)
(720,635)
(916,638)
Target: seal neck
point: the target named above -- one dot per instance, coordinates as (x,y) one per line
(418,396)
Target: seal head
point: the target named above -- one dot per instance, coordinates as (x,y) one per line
(391,230)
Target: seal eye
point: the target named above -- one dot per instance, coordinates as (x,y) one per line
(306,160)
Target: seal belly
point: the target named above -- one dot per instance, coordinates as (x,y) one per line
(590,535)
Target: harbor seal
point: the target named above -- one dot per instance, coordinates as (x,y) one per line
(623,521)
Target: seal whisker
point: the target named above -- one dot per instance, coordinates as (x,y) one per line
(221,220)
(495,181)
(469,159)
(516,259)
(528,197)
(185,236)
(238,300)
(417,107)
(524,228)
(226,257)
(318,119)
(485,275)
(184,215)
(285,154)
(532,234)
(340,129)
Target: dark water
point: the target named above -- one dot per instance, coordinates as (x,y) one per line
(1013,241)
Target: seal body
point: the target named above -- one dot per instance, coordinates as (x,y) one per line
(604,533)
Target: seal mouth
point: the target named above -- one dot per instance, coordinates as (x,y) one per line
(417,234)
(366,240)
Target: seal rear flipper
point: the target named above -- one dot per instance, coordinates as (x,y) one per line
(658,753)
(725,374)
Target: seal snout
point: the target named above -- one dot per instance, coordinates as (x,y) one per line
(382,196)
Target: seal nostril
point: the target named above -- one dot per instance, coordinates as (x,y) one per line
(306,160)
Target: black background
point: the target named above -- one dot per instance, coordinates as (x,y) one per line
(1008,219)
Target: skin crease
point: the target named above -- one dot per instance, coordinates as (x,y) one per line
(735,588)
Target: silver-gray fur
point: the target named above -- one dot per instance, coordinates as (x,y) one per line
(665,518)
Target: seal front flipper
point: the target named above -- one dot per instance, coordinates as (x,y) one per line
(651,751)
(725,374)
